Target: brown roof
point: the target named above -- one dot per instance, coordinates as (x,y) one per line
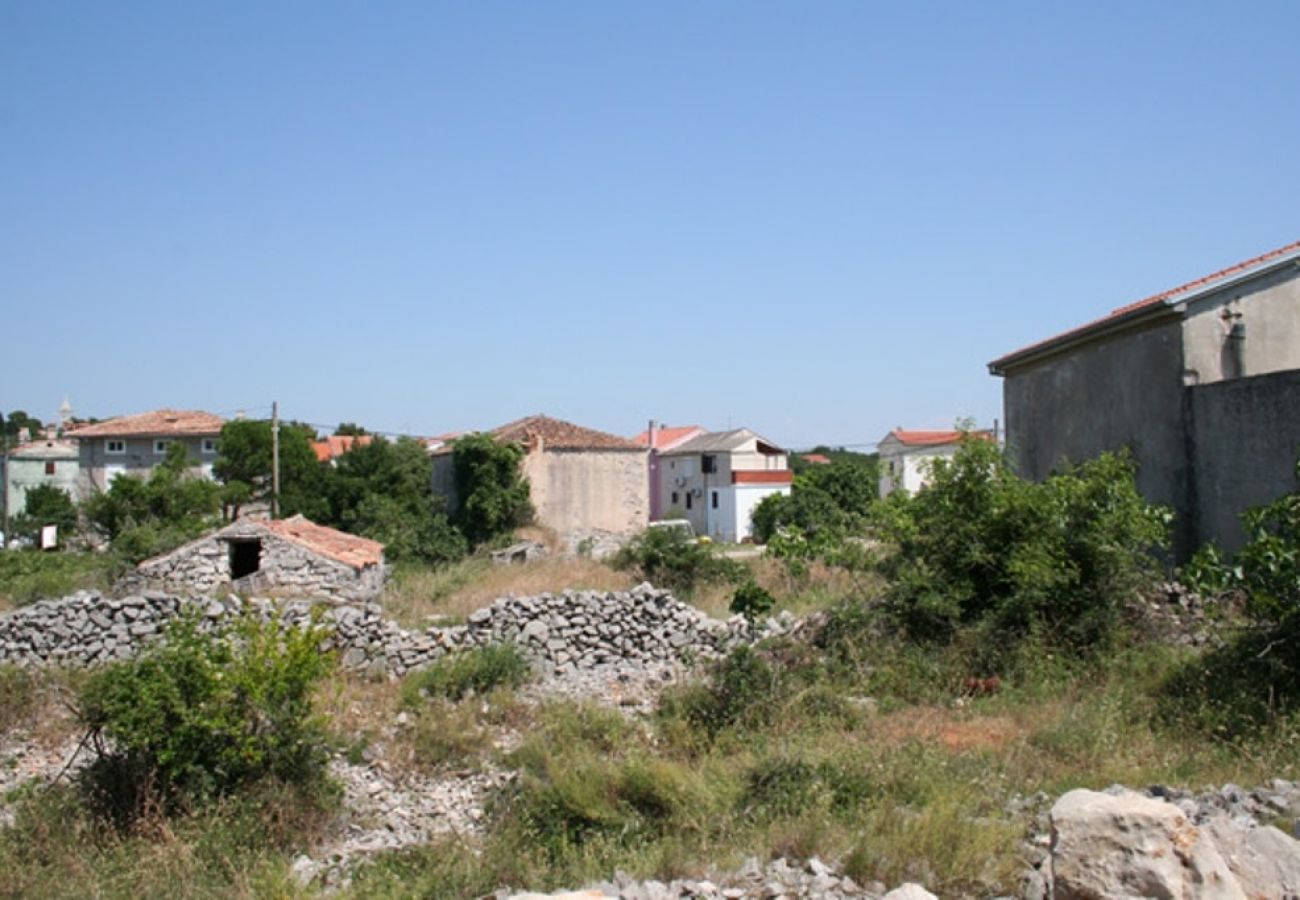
(357,552)
(160,422)
(337,444)
(667,436)
(919,438)
(1145,305)
(557,434)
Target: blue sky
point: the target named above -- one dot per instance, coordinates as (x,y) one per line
(820,220)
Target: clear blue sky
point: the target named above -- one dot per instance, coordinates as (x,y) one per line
(820,220)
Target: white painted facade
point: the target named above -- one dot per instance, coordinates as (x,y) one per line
(906,457)
(743,468)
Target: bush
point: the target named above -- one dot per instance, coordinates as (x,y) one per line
(472,671)
(28,575)
(982,547)
(205,713)
(751,601)
(43,505)
(742,691)
(672,559)
(492,491)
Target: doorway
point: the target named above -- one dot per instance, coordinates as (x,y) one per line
(245,558)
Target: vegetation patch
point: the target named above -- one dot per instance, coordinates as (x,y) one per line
(476,671)
(30,575)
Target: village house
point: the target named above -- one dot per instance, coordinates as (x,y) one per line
(134,445)
(329,449)
(580,479)
(717,478)
(661,438)
(43,461)
(1201,383)
(285,557)
(907,454)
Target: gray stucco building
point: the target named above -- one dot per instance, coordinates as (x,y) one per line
(1200,382)
(134,445)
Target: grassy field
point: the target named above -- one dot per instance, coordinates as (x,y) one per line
(857,748)
(29,575)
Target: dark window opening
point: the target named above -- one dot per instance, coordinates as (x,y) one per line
(715,499)
(709,463)
(688,501)
(245,558)
(674,498)
(49,468)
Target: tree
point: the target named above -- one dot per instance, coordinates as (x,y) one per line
(825,501)
(349,429)
(491,488)
(15,422)
(143,517)
(384,490)
(244,467)
(46,504)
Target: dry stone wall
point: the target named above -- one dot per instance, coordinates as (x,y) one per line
(569,632)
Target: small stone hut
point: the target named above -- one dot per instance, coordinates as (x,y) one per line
(285,557)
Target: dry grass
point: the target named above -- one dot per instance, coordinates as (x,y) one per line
(823,586)
(454,592)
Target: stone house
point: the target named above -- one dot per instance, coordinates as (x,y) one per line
(134,445)
(1200,382)
(906,455)
(44,461)
(283,557)
(580,479)
(659,439)
(717,478)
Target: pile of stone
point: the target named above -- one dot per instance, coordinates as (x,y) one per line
(780,878)
(1121,843)
(563,634)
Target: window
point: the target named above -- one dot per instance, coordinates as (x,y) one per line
(114,446)
(688,501)
(160,447)
(49,467)
(245,558)
(714,499)
(708,463)
(674,500)
(209,445)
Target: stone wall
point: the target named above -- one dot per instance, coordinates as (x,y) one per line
(569,632)
(203,567)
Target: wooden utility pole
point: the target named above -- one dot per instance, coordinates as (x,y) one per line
(275,460)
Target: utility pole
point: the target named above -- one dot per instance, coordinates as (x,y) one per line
(4,491)
(275,460)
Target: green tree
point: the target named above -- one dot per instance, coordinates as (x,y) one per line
(825,503)
(350,429)
(46,504)
(980,546)
(244,467)
(15,422)
(490,486)
(384,490)
(143,517)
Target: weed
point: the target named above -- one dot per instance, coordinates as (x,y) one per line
(476,671)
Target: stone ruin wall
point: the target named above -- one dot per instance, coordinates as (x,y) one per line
(203,567)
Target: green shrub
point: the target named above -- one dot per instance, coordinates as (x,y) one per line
(672,559)
(471,671)
(17,696)
(28,575)
(981,546)
(751,601)
(43,505)
(205,713)
(742,691)
(492,491)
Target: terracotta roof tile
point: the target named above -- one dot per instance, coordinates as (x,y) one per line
(668,437)
(560,435)
(160,422)
(337,444)
(1149,302)
(922,438)
(357,552)
(817,459)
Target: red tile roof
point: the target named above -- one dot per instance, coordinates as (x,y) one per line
(1146,303)
(762,476)
(557,434)
(668,437)
(160,422)
(357,552)
(337,444)
(921,438)
(816,459)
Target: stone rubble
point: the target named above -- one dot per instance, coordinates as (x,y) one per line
(780,879)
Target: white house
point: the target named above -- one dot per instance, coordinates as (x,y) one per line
(905,456)
(717,478)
